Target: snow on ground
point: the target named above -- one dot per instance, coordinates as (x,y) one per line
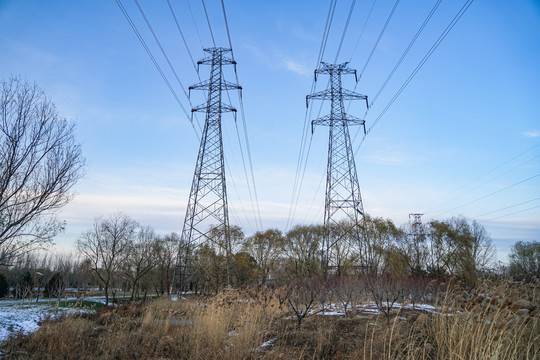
(16,317)
(369,308)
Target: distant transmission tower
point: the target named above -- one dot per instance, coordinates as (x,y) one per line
(416,224)
(343,200)
(207,206)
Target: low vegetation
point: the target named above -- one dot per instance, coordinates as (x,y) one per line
(498,319)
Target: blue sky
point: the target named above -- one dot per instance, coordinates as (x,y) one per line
(465,127)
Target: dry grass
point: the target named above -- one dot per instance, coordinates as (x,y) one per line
(498,320)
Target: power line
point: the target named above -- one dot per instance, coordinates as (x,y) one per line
(227,28)
(418,67)
(195,24)
(208,22)
(152,58)
(508,207)
(182,35)
(165,56)
(302,151)
(430,15)
(489,172)
(246,138)
(363,28)
(495,177)
(514,213)
(345,30)
(488,195)
(379,38)
(326,32)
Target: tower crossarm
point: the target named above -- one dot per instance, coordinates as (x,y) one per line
(222,108)
(328,120)
(225,85)
(327,68)
(211,60)
(344,95)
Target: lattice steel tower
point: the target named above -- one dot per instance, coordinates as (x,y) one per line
(343,200)
(207,204)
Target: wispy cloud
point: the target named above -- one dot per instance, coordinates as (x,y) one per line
(531,134)
(294,65)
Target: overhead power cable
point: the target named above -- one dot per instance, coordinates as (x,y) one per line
(488,195)
(303,155)
(153,59)
(165,56)
(514,213)
(345,30)
(195,24)
(208,22)
(426,20)
(496,177)
(182,35)
(508,207)
(379,38)
(363,29)
(447,196)
(418,67)
(246,138)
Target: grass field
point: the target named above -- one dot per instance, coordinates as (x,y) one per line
(497,320)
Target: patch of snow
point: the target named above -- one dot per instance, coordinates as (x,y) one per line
(268,343)
(15,318)
(261,347)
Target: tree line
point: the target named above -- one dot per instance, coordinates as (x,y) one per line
(118,254)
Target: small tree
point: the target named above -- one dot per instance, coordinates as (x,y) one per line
(104,246)
(139,257)
(244,269)
(302,299)
(165,249)
(302,246)
(525,260)
(55,287)
(347,290)
(386,290)
(265,248)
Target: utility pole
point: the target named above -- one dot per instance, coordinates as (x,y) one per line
(343,200)
(207,205)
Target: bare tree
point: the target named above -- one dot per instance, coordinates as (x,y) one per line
(347,290)
(302,299)
(104,245)
(165,252)
(40,162)
(386,289)
(139,257)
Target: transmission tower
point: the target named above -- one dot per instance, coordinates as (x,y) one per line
(416,243)
(343,200)
(416,224)
(207,205)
